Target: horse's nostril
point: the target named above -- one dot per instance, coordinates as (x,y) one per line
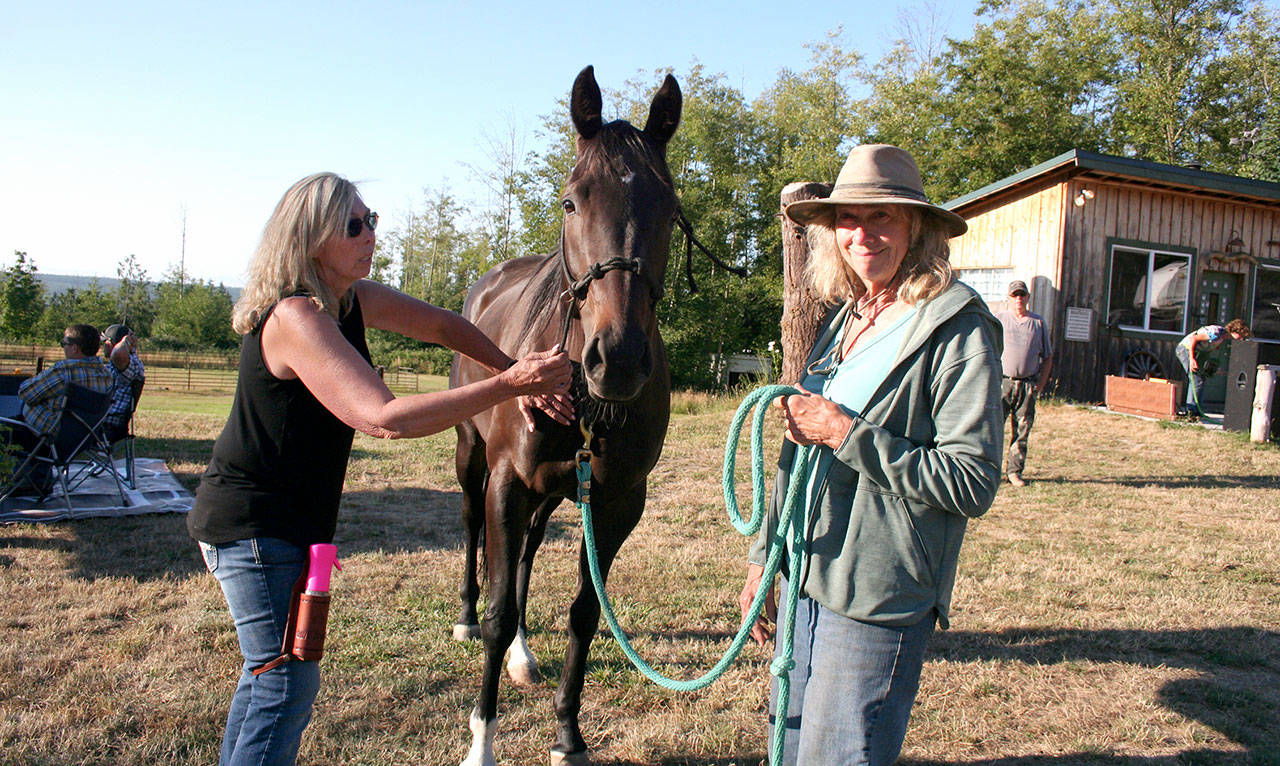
(591,356)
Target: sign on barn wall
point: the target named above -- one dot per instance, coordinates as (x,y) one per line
(1079,324)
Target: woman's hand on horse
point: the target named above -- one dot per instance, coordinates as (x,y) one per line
(760,630)
(558,407)
(811,419)
(540,373)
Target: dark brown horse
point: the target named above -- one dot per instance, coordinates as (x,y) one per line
(599,291)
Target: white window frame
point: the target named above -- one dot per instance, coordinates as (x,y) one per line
(1253,299)
(991,284)
(1151,253)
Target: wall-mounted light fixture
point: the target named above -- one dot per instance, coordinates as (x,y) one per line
(1235,244)
(1082,197)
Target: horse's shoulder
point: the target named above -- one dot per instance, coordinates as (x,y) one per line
(502,284)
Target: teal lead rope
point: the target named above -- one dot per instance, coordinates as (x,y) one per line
(789,522)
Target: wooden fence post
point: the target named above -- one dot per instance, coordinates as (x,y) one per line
(801,311)
(1263,392)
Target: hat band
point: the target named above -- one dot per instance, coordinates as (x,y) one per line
(880,188)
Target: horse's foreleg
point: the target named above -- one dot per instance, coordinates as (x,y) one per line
(469,460)
(507,505)
(522,665)
(613,519)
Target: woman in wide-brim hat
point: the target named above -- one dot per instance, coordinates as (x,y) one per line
(902,407)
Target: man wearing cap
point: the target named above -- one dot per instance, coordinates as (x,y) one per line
(1027,359)
(120,352)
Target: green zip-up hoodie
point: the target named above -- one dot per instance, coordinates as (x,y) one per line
(915,465)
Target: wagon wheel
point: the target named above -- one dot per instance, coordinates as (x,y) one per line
(1143,364)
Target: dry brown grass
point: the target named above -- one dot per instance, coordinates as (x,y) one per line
(1122,608)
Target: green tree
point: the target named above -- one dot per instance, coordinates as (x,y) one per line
(1243,118)
(21,299)
(431,249)
(192,314)
(91,305)
(134,304)
(1032,82)
(540,181)
(499,217)
(810,119)
(1169,87)
(717,162)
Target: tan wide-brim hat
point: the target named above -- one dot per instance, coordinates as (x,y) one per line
(876,174)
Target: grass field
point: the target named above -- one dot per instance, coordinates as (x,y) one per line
(1122,608)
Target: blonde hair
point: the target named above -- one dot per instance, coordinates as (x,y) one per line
(311,212)
(925,270)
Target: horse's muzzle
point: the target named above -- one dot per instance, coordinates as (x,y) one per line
(617,365)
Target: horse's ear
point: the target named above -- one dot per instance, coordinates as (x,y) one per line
(664,112)
(585,103)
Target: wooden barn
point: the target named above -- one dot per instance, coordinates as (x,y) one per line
(1124,258)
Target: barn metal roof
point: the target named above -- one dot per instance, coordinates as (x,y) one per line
(1103,167)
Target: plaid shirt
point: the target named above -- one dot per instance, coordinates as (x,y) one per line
(122,392)
(44,396)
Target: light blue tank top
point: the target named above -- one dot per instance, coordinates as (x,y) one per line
(852,382)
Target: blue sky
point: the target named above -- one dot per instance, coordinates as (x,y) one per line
(118,116)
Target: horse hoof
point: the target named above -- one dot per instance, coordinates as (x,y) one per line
(465,632)
(570,759)
(525,675)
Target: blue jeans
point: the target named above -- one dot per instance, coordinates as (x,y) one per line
(1195,383)
(852,687)
(269,711)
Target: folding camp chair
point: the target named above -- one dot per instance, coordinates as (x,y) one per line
(81,432)
(123,438)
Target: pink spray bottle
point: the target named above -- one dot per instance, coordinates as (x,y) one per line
(313,603)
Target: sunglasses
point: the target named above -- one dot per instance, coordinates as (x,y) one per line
(66,342)
(356,225)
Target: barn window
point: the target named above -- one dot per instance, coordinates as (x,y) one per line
(991,284)
(1148,289)
(1266,302)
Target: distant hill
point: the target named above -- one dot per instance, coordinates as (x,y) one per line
(60,283)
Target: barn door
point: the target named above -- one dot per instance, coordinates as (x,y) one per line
(1218,293)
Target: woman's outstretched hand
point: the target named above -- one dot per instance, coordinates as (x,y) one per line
(539,373)
(543,379)
(558,407)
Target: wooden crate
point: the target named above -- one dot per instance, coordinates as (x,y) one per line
(1154,398)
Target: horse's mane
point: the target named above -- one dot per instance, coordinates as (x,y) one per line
(618,148)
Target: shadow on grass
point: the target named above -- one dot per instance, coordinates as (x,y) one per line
(686,760)
(1237,693)
(1185,758)
(1247,481)
(157,546)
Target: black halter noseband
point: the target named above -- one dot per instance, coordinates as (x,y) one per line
(576,292)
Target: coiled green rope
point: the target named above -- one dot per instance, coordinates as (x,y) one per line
(788,522)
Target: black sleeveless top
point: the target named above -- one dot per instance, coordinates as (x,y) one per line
(278,466)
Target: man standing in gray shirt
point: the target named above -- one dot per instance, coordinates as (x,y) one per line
(1027,359)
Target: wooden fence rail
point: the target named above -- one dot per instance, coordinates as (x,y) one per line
(211,373)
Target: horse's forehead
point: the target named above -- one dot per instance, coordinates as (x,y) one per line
(624,181)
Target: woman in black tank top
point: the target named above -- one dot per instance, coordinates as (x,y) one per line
(305,384)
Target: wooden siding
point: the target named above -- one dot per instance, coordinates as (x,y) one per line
(1175,220)
(1060,249)
(1025,235)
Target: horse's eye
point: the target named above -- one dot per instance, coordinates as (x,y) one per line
(568,206)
